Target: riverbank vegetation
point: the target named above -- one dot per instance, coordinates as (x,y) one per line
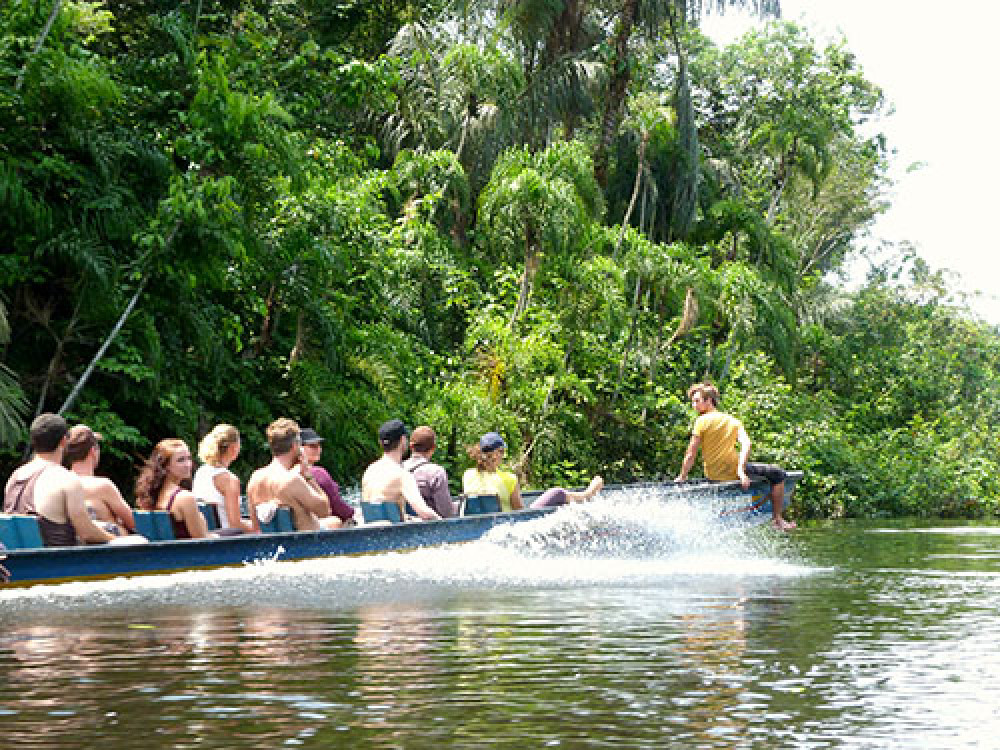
(541,217)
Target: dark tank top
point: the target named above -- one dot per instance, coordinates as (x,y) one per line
(20,498)
(180,527)
(57,534)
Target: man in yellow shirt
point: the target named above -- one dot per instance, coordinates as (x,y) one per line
(717,434)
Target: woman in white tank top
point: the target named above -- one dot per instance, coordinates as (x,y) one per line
(215,483)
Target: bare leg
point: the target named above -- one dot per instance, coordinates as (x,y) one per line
(595,486)
(777,506)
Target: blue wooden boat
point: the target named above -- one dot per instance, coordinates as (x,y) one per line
(30,563)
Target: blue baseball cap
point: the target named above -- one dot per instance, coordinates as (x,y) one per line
(490,442)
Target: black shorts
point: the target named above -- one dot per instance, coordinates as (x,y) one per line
(773,474)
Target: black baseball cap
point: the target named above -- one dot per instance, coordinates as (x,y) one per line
(308,436)
(392,431)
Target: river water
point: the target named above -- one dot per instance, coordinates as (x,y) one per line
(548,634)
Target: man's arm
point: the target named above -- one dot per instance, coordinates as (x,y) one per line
(117,505)
(741,469)
(252,490)
(516,502)
(303,488)
(689,456)
(76,511)
(411,493)
(439,491)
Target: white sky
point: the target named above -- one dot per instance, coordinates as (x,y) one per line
(937,66)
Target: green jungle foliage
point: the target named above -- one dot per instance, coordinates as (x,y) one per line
(539,217)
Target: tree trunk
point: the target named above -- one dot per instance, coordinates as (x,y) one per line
(654,354)
(684,203)
(531,263)
(38,43)
(104,347)
(115,330)
(617,91)
(300,336)
(628,340)
(54,363)
(264,340)
(640,166)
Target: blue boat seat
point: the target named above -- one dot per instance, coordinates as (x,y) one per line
(19,531)
(211,513)
(282,521)
(530,496)
(381,512)
(476,505)
(154,525)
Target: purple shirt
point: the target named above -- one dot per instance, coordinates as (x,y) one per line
(338,507)
(432,480)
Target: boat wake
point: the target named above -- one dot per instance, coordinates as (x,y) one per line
(626,539)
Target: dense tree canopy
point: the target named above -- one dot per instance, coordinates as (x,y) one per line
(540,217)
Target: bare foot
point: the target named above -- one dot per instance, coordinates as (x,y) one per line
(782,525)
(595,486)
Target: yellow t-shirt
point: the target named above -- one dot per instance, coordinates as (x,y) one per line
(499,483)
(720,450)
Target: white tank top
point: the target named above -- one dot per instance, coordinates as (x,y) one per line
(203,487)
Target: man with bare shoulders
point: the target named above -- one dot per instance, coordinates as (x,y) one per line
(287,482)
(44,488)
(104,502)
(387,481)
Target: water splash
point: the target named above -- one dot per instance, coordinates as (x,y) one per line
(649,523)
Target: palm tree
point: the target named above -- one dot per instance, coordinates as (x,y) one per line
(650,15)
(495,75)
(539,202)
(13,401)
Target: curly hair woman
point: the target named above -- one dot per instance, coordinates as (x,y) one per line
(162,485)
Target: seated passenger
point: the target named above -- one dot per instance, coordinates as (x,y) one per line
(312,451)
(214,483)
(43,487)
(161,486)
(288,482)
(105,503)
(432,479)
(486,478)
(386,481)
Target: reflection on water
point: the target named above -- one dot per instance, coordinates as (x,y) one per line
(665,634)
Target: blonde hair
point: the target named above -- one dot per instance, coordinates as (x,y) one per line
(214,445)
